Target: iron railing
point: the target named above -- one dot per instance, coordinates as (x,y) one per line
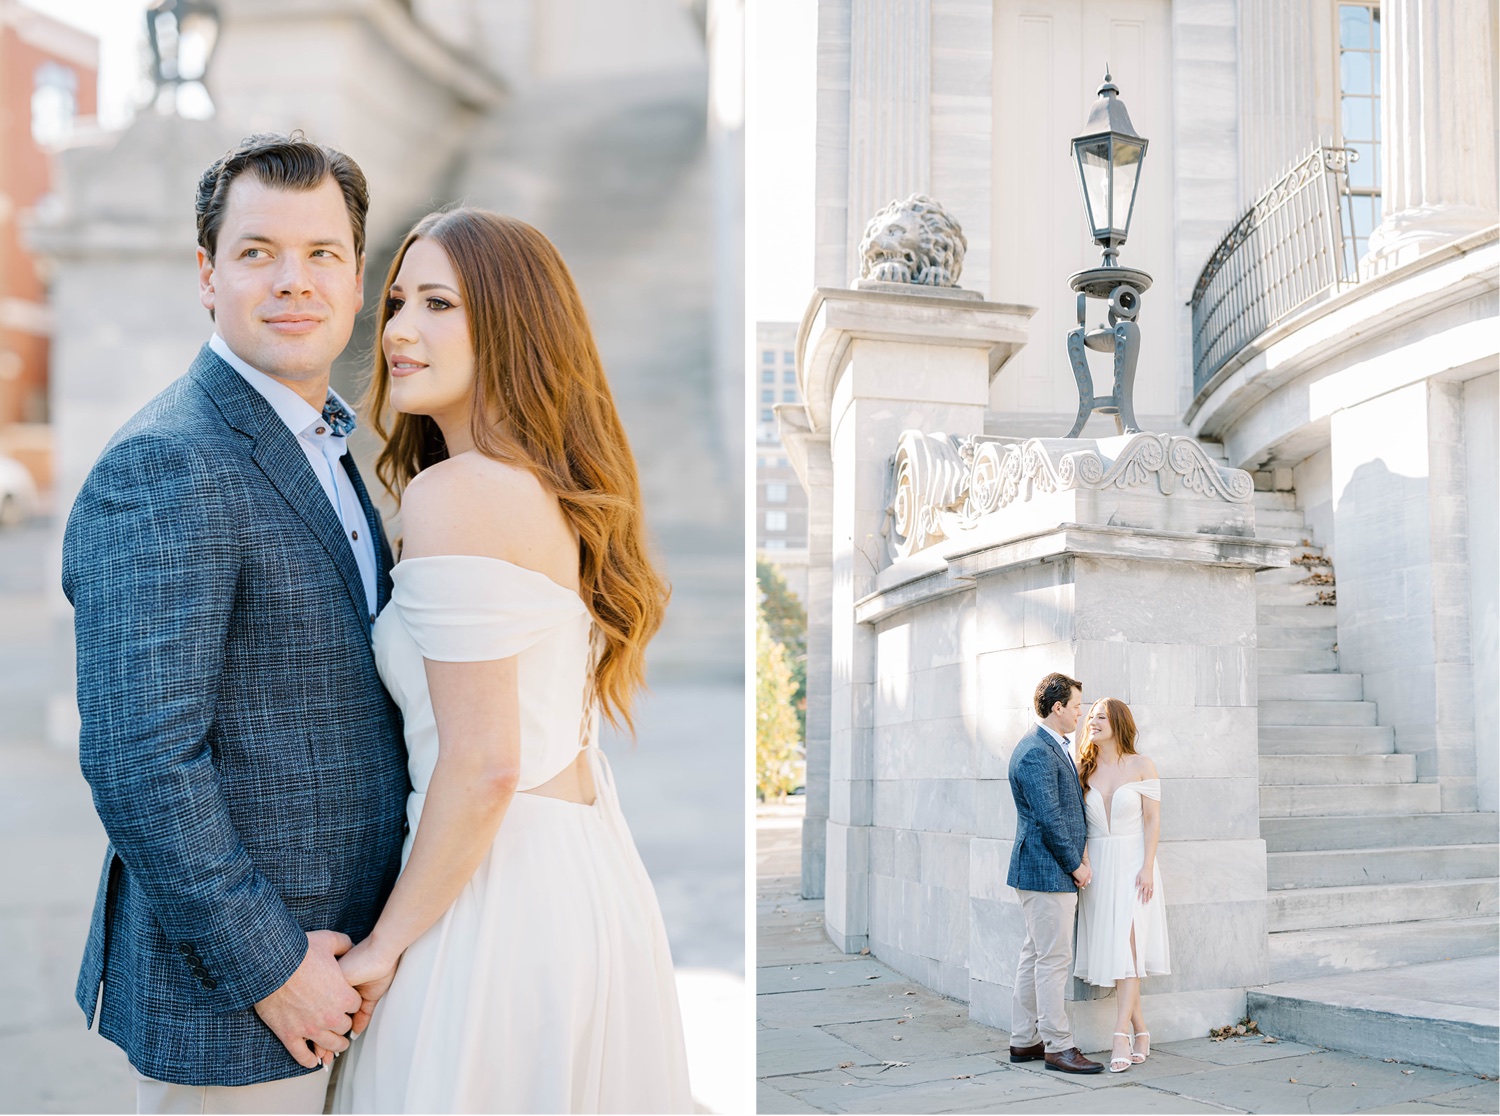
(1287,250)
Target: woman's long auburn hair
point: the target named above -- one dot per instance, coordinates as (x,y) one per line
(537,368)
(1121,723)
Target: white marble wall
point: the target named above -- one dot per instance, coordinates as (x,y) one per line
(1481,439)
(1401,518)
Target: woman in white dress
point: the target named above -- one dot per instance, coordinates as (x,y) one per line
(520,964)
(1122,918)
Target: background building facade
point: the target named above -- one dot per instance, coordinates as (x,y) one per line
(780,502)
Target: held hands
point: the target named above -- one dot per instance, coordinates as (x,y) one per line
(1144,884)
(1083,874)
(315,1003)
(369,971)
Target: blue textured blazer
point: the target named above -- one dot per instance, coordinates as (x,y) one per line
(1050,827)
(245,760)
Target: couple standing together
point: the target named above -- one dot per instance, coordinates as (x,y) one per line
(349,798)
(1087,826)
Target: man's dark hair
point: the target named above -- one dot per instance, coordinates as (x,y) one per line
(287,163)
(1053,689)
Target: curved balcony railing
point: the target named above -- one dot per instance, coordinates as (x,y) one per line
(1285,251)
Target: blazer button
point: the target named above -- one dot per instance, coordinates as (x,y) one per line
(209,982)
(199,971)
(184,947)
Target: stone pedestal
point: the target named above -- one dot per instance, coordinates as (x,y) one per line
(1438,122)
(1129,564)
(872,364)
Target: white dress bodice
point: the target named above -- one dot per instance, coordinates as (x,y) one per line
(465,608)
(1122,817)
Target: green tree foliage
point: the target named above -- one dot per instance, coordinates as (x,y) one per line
(778,739)
(787,620)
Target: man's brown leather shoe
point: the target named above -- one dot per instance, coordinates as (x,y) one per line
(1072,1061)
(1028,1053)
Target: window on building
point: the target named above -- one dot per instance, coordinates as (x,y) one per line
(775,521)
(775,493)
(768,395)
(1359,118)
(789,357)
(789,395)
(767,357)
(789,376)
(767,415)
(775,544)
(768,376)
(54,104)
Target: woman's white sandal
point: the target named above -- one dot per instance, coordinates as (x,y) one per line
(1123,1063)
(1138,1058)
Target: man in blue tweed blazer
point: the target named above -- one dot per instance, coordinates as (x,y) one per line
(225,564)
(1046,869)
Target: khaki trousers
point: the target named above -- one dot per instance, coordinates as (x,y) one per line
(295,1096)
(1038,1011)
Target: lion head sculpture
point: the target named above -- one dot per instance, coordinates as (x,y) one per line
(913,241)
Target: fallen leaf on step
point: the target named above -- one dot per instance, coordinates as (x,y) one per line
(845,1065)
(1293,1080)
(1268,1040)
(1407,1072)
(908,993)
(865,952)
(873,976)
(962,1076)
(895,1038)
(889,1064)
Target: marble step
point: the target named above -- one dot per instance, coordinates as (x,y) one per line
(1288,575)
(1294,616)
(1311,687)
(1296,660)
(1376,831)
(1309,908)
(1278,501)
(1327,800)
(1346,867)
(1405,997)
(1281,638)
(1288,517)
(1327,740)
(1283,533)
(1328,770)
(1317,712)
(1282,595)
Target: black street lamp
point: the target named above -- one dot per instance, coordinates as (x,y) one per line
(1108,156)
(183,34)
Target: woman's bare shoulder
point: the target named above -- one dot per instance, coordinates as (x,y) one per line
(471,504)
(1142,767)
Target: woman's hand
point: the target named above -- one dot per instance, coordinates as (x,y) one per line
(369,971)
(1143,888)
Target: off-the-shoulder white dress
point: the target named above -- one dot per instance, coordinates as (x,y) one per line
(547,986)
(1109,907)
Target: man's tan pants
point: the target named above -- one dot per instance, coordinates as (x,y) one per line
(1037,1012)
(294,1096)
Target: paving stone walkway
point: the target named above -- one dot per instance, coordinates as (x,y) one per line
(844,1033)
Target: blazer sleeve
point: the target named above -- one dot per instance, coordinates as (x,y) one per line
(150,562)
(1040,776)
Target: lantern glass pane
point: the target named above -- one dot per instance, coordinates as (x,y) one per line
(1127,173)
(1094,174)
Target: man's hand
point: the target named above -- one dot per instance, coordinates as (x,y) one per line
(1083,874)
(316,1001)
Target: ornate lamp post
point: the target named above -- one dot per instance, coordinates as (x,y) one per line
(1108,155)
(183,34)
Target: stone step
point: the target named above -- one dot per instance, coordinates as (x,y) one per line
(1311,687)
(1294,616)
(1317,712)
(1376,831)
(1328,770)
(1308,908)
(1279,595)
(1345,867)
(1279,638)
(1279,516)
(1288,575)
(1296,660)
(1299,801)
(1282,532)
(1422,1013)
(1327,740)
(1280,501)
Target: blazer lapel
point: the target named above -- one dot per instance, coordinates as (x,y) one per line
(383,557)
(280,457)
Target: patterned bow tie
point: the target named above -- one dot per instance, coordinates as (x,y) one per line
(338,417)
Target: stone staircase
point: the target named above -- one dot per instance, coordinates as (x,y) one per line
(1364,869)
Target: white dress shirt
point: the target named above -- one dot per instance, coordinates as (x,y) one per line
(323,449)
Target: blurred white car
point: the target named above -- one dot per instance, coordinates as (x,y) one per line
(17,493)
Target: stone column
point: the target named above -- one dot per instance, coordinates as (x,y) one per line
(1438,120)
(1279,60)
(873,364)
